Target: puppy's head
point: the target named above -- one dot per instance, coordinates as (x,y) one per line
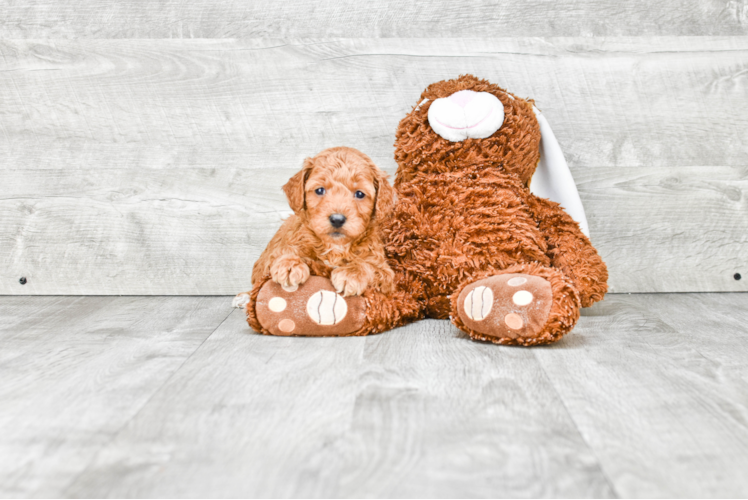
(340,193)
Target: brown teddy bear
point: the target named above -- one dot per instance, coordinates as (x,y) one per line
(468,239)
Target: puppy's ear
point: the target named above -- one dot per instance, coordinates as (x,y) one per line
(385,195)
(294,188)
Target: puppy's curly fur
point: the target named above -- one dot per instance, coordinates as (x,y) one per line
(337,182)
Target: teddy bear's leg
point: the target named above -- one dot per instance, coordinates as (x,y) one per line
(525,304)
(315,309)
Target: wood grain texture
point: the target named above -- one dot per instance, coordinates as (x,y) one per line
(199,231)
(421,411)
(254,104)
(645,398)
(141,166)
(657,386)
(383,18)
(438,415)
(247,417)
(682,229)
(73,371)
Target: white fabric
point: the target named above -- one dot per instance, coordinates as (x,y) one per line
(466,114)
(552,178)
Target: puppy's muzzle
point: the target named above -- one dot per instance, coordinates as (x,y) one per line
(337,220)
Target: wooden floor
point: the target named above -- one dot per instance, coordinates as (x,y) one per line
(175,396)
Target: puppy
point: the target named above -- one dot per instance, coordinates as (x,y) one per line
(339,199)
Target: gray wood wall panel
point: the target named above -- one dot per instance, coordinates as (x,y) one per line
(679,229)
(74,370)
(154,166)
(266,104)
(198,231)
(352,18)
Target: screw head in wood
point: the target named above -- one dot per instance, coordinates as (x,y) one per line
(22,280)
(737,276)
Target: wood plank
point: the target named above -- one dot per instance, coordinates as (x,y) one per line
(125,161)
(244,417)
(682,229)
(348,18)
(15,311)
(440,416)
(657,386)
(267,103)
(646,398)
(199,231)
(74,370)
(421,411)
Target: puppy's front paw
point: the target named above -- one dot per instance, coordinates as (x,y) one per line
(349,282)
(289,272)
(240,301)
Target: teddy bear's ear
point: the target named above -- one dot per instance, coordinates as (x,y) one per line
(552,178)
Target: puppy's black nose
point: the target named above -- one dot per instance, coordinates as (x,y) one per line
(337,220)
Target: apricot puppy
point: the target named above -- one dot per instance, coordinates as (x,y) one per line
(339,199)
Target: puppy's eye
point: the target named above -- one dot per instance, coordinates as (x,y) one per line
(359,194)
(320,191)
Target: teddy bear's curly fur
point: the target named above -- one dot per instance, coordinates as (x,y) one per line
(464,217)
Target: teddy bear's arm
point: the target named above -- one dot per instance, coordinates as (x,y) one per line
(570,250)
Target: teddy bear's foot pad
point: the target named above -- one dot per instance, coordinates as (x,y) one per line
(510,306)
(314,309)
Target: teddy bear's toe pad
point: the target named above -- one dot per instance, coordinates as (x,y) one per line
(506,306)
(314,309)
